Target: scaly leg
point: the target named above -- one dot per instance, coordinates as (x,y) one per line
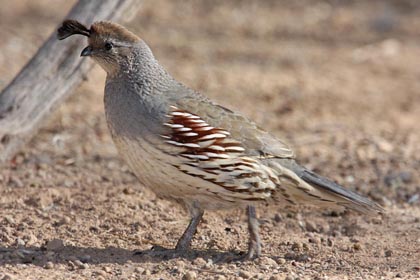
(185,241)
(254,247)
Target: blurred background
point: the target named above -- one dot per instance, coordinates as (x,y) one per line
(338,80)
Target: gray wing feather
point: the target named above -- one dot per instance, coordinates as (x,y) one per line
(257,141)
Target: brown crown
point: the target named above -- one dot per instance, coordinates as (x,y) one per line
(113,30)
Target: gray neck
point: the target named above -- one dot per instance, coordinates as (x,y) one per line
(143,69)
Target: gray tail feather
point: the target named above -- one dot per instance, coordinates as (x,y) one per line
(351,199)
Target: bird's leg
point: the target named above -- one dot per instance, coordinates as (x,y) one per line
(254,246)
(185,241)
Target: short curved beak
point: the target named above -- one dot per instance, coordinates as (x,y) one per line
(87,51)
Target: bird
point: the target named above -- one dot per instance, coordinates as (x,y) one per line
(188,149)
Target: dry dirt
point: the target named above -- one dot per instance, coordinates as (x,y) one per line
(338,80)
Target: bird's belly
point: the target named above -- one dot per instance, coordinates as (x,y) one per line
(157,170)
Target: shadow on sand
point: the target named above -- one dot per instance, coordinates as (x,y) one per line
(40,256)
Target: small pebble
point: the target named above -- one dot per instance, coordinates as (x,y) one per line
(314,240)
(139,270)
(31,239)
(65,220)
(278,218)
(296,257)
(263,267)
(267,261)
(180,264)
(128,191)
(274,277)
(10,220)
(296,246)
(102,273)
(107,269)
(54,244)
(49,265)
(190,275)
(357,246)
(68,183)
(330,242)
(85,258)
(336,233)
(180,270)
(17,182)
(290,255)
(199,262)
(245,274)
(323,228)
(20,242)
(259,276)
(281,261)
(81,265)
(147,272)
(311,227)
(209,264)
(7,277)
(301,223)
(388,253)
(413,199)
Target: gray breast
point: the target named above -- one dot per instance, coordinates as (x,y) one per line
(128,113)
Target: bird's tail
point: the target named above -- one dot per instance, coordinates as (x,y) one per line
(349,199)
(318,190)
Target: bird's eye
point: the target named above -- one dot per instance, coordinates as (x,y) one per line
(108,46)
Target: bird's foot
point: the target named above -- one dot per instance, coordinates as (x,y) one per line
(254,252)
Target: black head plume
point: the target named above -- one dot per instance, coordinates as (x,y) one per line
(72,27)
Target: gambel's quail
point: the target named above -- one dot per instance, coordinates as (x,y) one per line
(191,150)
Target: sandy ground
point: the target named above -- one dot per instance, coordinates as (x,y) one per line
(338,80)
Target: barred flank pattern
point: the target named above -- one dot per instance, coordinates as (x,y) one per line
(209,153)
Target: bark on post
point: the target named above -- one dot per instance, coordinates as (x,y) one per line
(51,76)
